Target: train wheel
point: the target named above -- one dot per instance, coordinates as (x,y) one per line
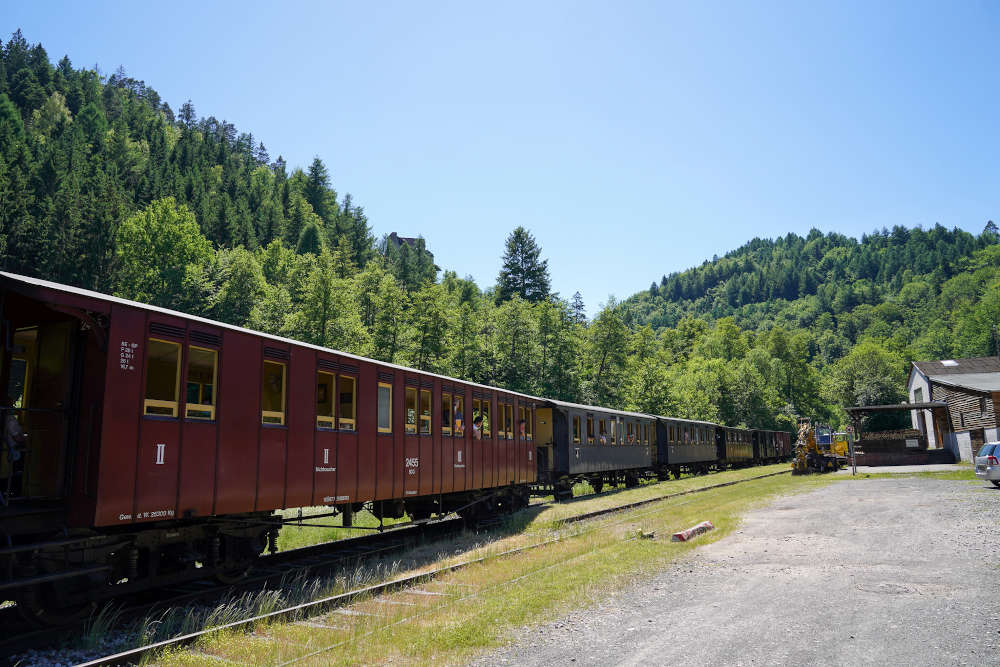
(563,491)
(676,472)
(233,575)
(631,481)
(597,485)
(53,604)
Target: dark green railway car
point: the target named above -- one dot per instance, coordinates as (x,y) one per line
(588,443)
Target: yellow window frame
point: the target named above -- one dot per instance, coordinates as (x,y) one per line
(576,428)
(458,408)
(446,403)
(157,403)
(327,420)
(378,392)
(204,407)
(275,417)
(425,415)
(411,405)
(348,423)
(487,423)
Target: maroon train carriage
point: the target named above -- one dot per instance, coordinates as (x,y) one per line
(158,441)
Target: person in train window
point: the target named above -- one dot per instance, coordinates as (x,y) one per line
(15,443)
(604,437)
(459,419)
(477,427)
(521,427)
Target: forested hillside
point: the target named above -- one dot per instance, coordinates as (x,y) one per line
(104,186)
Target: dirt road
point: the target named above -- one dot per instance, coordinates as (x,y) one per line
(867,572)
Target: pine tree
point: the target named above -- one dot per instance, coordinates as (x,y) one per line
(523,273)
(579,310)
(318,193)
(309,240)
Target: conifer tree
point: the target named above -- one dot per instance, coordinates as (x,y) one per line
(524,273)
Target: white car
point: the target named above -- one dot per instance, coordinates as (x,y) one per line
(988,463)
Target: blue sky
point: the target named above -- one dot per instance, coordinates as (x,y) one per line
(632,139)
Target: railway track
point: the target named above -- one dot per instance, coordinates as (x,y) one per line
(134,656)
(316,559)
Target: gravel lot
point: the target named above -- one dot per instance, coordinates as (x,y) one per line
(877,571)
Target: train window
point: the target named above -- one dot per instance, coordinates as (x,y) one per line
(630,433)
(425,411)
(272,393)
(602,432)
(613,435)
(163,377)
(411,410)
(508,412)
(201,380)
(446,414)
(486,418)
(325,383)
(529,421)
(590,430)
(524,422)
(459,416)
(384,407)
(347,393)
(576,428)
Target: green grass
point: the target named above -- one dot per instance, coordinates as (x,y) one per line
(482,607)
(966,475)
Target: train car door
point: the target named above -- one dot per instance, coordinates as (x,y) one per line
(199,424)
(461,438)
(327,467)
(411,437)
(39,377)
(544,442)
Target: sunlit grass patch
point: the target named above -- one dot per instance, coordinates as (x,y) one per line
(967,475)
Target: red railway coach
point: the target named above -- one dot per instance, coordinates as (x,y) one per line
(158,441)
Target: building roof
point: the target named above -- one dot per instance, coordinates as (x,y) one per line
(927,405)
(975,365)
(975,381)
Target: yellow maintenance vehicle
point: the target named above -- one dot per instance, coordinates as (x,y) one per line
(816,450)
